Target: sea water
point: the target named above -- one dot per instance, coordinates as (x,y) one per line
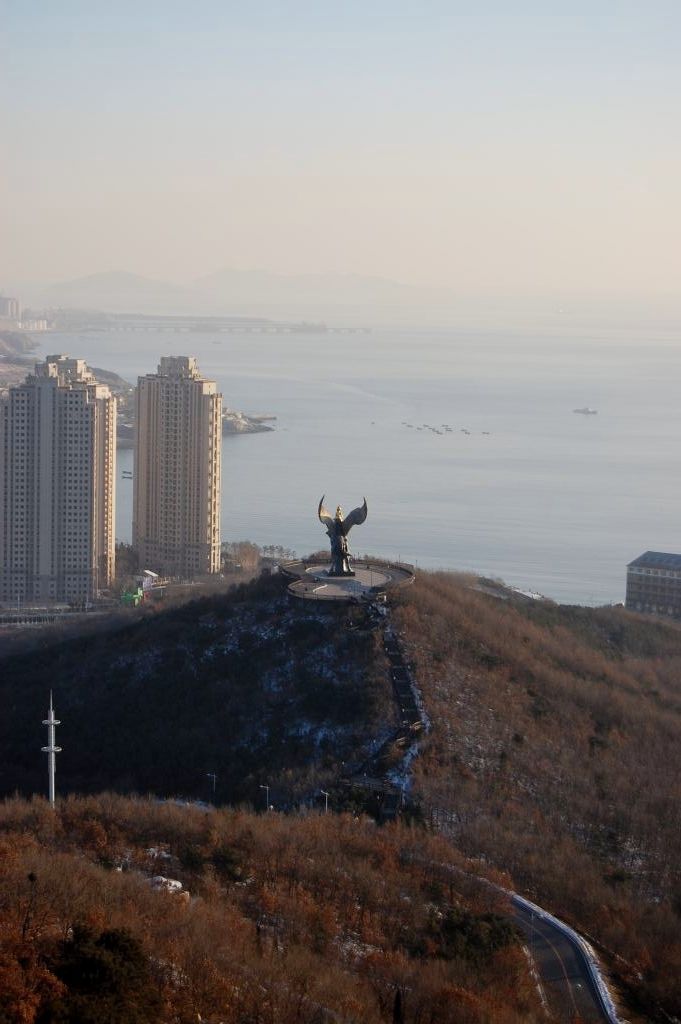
(520,487)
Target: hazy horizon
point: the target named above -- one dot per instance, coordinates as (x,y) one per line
(527,156)
(360,300)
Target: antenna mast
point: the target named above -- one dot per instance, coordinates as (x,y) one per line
(51,749)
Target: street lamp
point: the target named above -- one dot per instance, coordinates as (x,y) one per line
(326,800)
(267,797)
(213,776)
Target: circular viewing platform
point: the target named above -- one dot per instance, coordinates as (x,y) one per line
(311,580)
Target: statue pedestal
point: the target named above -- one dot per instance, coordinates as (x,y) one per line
(315,581)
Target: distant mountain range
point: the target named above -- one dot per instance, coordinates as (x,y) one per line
(336,289)
(348,297)
(345,299)
(118,292)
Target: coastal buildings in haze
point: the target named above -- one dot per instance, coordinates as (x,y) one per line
(57,485)
(176,502)
(10,308)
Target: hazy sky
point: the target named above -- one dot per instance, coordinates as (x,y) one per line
(489,147)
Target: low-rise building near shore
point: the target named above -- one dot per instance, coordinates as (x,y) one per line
(654,584)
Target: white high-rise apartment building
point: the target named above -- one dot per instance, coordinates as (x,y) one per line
(57,485)
(9,307)
(178,445)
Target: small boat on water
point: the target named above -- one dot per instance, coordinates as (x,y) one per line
(586,411)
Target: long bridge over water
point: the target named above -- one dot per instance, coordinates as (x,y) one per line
(82,321)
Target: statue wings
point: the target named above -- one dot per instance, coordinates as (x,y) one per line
(324,514)
(354,518)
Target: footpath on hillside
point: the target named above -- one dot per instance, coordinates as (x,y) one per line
(385,774)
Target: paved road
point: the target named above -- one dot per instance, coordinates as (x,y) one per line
(565,978)
(567,981)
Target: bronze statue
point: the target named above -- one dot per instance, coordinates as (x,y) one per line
(338,530)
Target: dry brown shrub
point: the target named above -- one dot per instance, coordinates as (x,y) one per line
(555,754)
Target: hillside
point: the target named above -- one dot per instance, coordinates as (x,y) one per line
(119,291)
(282,919)
(556,753)
(246,685)
(15,363)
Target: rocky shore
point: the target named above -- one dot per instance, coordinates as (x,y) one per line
(235,422)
